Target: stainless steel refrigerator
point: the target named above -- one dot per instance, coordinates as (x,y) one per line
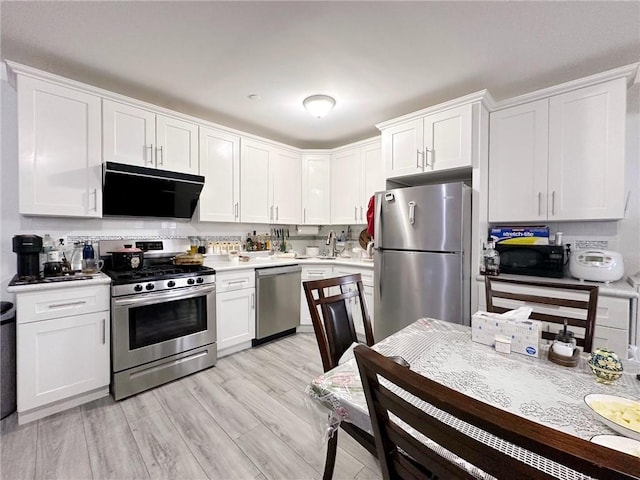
(422,256)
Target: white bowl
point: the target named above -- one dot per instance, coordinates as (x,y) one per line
(616,442)
(621,429)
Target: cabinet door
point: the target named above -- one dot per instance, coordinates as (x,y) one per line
(60,169)
(518,163)
(128,134)
(402,148)
(286,173)
(310,273)
(62,357)
(254,182)
(316,189)
(371,177)
(345,189)
(447,139)
(177,148)
(586,153)
(220,166)
(235,312)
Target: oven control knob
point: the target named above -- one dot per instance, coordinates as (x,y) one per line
(150,286)
(138,288)
(200,280)
(171,283)
(191,281)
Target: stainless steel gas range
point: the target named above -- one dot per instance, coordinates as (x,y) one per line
(163,318)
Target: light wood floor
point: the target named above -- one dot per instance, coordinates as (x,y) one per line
(245,418)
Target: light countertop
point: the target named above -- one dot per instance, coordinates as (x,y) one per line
(620,289)
(221,265)
(97,279)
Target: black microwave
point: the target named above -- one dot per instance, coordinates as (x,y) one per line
(535,260)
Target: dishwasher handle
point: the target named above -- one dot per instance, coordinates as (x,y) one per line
(272,271)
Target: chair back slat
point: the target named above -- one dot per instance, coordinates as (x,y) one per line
(450,428)
(579,304)
(332,318)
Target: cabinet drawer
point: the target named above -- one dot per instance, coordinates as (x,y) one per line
(613,312)
(64,302)
(229,281)
(365,274)
(316,273)
(612,338)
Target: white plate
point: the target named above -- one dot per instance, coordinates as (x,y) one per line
(596,397)
(621,444)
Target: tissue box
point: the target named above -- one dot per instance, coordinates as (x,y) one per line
(525,334)
(521,236)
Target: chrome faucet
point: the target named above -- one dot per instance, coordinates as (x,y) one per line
(331,241)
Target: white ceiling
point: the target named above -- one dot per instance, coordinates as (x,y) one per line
(378,59)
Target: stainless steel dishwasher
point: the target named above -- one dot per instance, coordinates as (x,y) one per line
(278,302)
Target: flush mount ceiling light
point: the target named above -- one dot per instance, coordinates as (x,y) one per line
(319,105)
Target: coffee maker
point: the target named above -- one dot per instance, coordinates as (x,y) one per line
(28,248)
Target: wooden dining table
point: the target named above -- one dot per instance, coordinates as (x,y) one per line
(531,387)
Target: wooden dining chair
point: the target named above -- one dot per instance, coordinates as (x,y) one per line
(481,429)
(580,303)
(332,317)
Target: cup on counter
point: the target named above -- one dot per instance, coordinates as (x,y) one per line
(356,253)
(91,265)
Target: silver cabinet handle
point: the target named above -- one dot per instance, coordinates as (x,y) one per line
(539,203)
(419,154)
(428,151)
(253,298)
(271,213)
(68,304)
(95,200)
(304,215)
(150,157)
(161,162)
(361,218)
(237,282)
(553,202)
(236,210)
(277,212)
(412,212)
(104,331)
(355,213)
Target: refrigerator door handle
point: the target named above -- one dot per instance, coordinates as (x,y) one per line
(377,221)
(412,212)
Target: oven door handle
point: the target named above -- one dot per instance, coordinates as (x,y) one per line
(160,297)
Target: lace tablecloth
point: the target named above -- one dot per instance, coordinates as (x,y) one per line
(533,388)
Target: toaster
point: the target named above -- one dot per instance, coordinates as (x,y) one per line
(596,265)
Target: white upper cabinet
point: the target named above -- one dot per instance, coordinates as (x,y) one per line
(254,187)
(140,137)
(560,158)
(316,189)
(435,141)
(586,153)
(372,178)
(220,166)
(345,188)
(518,163)
(356,174)
(270,188)
(286,171)
(59,150)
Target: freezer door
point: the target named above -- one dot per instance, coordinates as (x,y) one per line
(412,285)
(425,218)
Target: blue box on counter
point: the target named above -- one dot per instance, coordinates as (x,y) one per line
(520,235)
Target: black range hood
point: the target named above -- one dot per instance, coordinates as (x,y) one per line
(146,192)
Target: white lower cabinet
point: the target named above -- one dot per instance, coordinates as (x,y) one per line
(63,353)
(311,273)
(235,311)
